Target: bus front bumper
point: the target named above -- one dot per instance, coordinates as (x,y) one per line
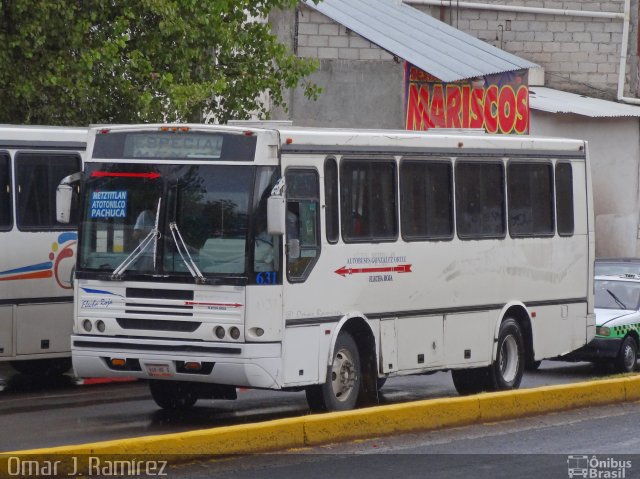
(252,365)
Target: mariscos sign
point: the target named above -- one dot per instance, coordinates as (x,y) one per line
(501,105)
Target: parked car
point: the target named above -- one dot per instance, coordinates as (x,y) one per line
(616,266)
(617,308)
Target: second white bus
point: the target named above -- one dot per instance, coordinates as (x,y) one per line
(38,253)
(328,260)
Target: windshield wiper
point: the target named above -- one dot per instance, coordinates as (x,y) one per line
(615,298)
(152,237)
(180,246)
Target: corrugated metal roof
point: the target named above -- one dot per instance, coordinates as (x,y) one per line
(432,45)
(556,101)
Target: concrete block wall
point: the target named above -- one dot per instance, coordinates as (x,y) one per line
(320,37)
(579,54)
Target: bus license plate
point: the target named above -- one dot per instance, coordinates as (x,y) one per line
(159,370)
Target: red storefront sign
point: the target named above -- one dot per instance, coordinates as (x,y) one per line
(501,105)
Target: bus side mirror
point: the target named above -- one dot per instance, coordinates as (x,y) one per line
(64,195)
(276,215)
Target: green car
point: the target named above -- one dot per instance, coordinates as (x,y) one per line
(617,308)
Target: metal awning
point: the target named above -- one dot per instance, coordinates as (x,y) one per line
(556,101)
(433,46)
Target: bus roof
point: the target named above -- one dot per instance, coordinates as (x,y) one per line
(292,137)
(14,135)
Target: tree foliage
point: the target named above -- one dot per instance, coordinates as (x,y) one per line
(75,62)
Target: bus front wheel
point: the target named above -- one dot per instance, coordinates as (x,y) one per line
(506,371)
(173,395)
(342,386)
(469,381)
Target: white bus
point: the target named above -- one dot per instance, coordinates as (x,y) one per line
(38,253)
(216,257)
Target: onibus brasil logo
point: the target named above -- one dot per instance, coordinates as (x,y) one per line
(594,467)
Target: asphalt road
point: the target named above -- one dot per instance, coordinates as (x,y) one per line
(602,439)
(37,413)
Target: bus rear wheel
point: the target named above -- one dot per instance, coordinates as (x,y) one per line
(506,371)
(173,395)
(344,377)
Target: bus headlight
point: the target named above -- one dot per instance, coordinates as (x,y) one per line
(219,332)
(603,331)
(100,326)
(234,333)
(86,324)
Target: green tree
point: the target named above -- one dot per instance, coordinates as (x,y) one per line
(75,62)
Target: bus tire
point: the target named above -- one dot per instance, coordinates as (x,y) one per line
(506,371)
(533,365)
(625,362)
(344,377)
(42,367)
(172,395)
(469,381)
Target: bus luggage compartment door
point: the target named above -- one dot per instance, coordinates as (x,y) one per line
(388,345)
(44,328)
(6,331)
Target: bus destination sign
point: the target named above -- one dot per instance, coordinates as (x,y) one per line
(163,145)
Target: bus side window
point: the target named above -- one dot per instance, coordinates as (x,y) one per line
(37,176)
(564,198)
(5,192)
(369,206)
(331,200)
(303,220)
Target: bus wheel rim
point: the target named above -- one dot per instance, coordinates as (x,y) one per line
(343,375)
(509,359)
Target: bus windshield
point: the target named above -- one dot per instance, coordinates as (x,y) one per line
(171,219)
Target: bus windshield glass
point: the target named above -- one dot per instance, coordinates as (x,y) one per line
(166,219)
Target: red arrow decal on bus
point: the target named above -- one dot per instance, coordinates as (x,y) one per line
(228,305)
(401,268)
(100,174)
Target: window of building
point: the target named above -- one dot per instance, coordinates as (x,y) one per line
(331,200)
(37,177)
(480,209)
(530,189)
(426,200)
(564,198)
(369,206)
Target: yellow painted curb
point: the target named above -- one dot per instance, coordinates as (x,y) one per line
(282,434)
(386,420)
